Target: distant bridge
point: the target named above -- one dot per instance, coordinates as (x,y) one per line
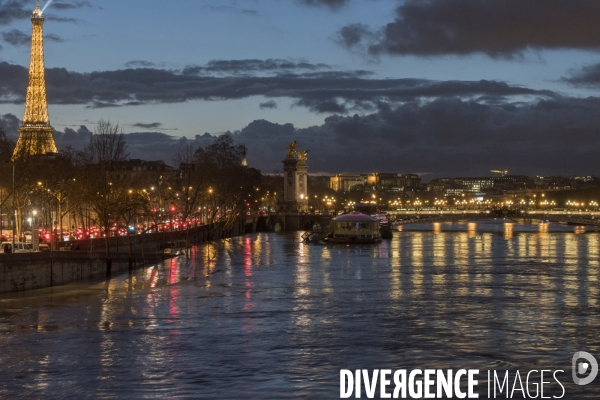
(561,218)
(299,221)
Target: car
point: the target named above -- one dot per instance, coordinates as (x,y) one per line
(19,247)
(44,247)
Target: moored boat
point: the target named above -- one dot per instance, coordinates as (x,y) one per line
(355,228)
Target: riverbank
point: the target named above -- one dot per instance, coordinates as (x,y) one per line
(27,271)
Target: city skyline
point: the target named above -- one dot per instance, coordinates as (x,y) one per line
(368,86)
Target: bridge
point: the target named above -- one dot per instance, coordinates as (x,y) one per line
(299,221)
(567,218)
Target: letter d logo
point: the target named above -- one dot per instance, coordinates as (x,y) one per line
(583,367)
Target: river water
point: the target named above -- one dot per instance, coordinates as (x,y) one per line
(265,316)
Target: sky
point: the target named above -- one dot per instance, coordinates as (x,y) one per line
(435,87)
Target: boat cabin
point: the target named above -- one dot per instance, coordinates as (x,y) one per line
(355,227)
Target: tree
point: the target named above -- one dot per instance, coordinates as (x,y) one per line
(107,144)
(100,186)
(133,203)
(227,184)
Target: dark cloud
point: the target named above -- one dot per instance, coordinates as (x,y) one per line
(443,137)
(54,18)
(139,63)
(19,38)
(498,28)
(10,123)
(329,91)
(71,5)
(271,104)
(76,139)
(447,136)
(11,10)
(251,67)
(354,34)
(333,4)
(16,37)
(53,38)
(153,125)
(586,76)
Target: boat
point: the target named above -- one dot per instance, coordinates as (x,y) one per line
(355,227)
(174,248)
(315,235)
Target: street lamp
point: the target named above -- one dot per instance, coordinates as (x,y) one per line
(13,203)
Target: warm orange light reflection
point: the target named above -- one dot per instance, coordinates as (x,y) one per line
(508,230)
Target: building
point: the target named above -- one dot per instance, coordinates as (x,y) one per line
(492,184)
(393,181)
(347,182)
(318,181)
(138,168)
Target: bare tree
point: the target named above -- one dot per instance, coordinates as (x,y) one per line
(227,184)
(102,189)
(132,204)
(107,144)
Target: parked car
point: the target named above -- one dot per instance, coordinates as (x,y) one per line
(19,247)
(44,247)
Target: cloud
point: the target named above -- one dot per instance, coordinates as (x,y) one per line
(16,37)
(19,38)
(10,123)
(152,125)
(328,91)
(76,139)
(445,137)
(139,63)
(11,10)
(71,6)
(54,18)
(497,28)
(333,4)
(251,67)
(271,104)
(588,75)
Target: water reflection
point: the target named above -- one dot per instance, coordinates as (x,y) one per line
(472,229)
(266,316)
(508,230)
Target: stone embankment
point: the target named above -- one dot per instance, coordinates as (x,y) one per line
(86,259)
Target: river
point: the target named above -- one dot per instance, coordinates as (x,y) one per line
(265,316)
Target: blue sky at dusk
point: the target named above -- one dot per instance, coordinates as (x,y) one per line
(436,87)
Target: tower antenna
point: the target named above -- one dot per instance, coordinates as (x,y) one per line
(37,3)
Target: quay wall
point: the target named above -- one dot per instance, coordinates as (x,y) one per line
(86,260)
(28,271)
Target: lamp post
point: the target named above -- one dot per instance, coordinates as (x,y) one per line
(13,203)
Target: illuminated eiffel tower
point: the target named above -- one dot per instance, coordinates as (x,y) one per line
(35,135)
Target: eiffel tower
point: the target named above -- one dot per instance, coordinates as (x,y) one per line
(35,134)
